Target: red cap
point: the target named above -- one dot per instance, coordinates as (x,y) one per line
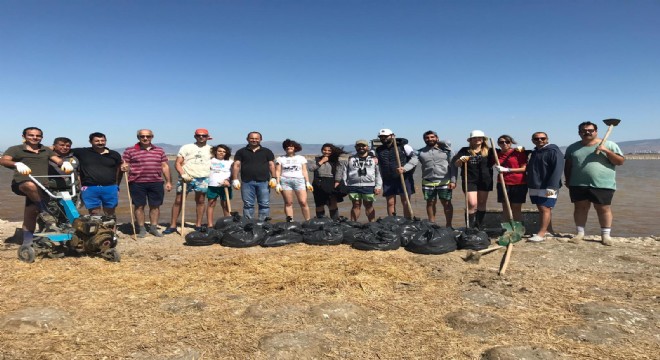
(202,131)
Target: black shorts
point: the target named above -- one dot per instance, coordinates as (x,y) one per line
(480,186)
(141,192)
(393,186)
(17,191)
(595,195)
(517,193)
(324,191)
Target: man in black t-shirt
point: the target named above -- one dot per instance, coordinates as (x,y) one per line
(100,175)
(256,165)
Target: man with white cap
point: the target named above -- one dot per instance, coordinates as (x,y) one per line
(391,170)
(193,163)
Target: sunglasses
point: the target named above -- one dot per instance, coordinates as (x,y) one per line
(588,131)
(200,135)
(538,139)
(145,136)
(504,142)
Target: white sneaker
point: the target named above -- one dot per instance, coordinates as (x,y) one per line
(577,238)
(606,239)
(536,238)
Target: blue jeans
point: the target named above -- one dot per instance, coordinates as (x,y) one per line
(259,191)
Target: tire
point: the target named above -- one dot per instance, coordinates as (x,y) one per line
(111,255)
(26,253)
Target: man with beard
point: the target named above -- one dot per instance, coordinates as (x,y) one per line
(361,175)
(544,180)
(100,175)
(391,171)
(62,148)
(591,178)
(32,157)
(438,176)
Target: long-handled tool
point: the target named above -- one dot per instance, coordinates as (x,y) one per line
(403,180)
(228,200)
(474,256)
(514,229)
(611,123)
(465,190)
(183,210)
(130,205)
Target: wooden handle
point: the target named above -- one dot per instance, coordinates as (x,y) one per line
(130,204)
(467,208)
(183,209)
(607,134)
(501,177)
(403,180)
(228,201)
(507,257)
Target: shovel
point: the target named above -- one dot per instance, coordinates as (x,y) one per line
(403,180)
(183,209)
(611,123)
(514,230)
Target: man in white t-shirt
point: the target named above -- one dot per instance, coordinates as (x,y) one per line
(193,163)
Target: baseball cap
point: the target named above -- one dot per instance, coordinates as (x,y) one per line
(202,131)
(362,142)
(385,132)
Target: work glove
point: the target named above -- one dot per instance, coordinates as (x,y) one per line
(501,169)
(67,167)
(520,149)
(309,186)
(22,168)
(272,183)
(464,158)
(236,184)
(550,192)
(278,188)
(186,177)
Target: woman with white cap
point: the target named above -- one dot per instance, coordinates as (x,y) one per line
(479,159)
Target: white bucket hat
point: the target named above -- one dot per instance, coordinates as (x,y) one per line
(477,133)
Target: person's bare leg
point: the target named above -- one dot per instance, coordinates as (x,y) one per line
(516,209)
(210,208)
(356,209)
(176,209)
(430,209)
(448,209)
(545,216)
(287,196)
(406,208)
(302,201)
(369,210)
(391,204)
(139,215)
(200,202)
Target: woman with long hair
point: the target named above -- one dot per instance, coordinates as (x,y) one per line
(479,158)
(325,168)
(513,162)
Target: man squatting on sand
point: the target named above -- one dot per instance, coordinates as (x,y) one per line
(32,157)
(591,179)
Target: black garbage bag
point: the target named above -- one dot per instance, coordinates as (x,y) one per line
(316,223)
(281,237)
(473,239)
(393,220)
(351,234)
(292,226)
(249,235)
(329,234)
(202,238)
(433,240)
(407,232)
(382,240)
(227,221)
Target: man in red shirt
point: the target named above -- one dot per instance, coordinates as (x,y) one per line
(147,166)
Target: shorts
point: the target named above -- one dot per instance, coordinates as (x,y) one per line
(595,195)
(517,193)
(480,186)
(214,192)
(17,191)
(537,197)
(365,193)
(96,196)
(365,197)
(294,184)
(197,185)
(143,193)
(393,186)
(324,191)
(433,190)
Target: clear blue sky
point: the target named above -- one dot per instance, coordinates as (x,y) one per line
(327,71)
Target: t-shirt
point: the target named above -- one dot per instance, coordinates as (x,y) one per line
(37,162)
(97,169)
(591,169)
(146,165)
(292,166)
(254,164)
(220,171)
(513,160)
(196,160)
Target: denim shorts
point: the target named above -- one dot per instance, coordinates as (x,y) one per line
(292,183)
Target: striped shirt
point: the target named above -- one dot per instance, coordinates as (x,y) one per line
(145,164)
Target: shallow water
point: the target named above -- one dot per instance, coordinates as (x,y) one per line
(634,206)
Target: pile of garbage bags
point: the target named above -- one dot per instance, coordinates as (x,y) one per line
(388,233)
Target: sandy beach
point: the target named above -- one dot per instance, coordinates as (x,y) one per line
(164,300)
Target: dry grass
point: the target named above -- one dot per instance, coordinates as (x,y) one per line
(164,298)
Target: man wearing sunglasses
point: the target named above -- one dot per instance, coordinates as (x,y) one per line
(544,170)
(147,166)
(193,163)
(591,179)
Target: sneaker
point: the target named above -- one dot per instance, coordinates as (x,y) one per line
(536,238)
(169,230)
(142,232)
(577,238)
(606,239)
(154,231)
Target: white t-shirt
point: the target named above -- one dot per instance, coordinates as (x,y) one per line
(292,166)
(220,171)
(196,160)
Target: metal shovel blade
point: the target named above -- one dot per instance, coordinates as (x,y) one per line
(612,122)
(513,232)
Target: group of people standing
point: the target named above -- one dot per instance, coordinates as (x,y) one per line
(208,172)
